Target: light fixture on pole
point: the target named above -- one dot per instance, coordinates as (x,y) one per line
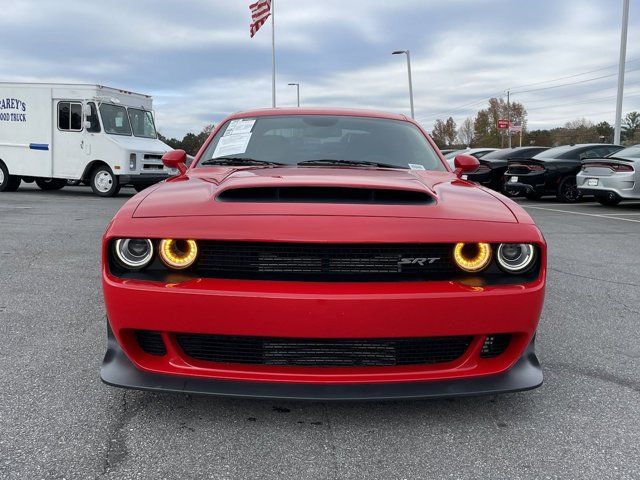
(408,53)
(297,85)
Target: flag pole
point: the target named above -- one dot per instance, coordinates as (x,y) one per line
(273,54)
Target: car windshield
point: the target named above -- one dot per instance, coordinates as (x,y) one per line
(114,119)
(142,123)
(327,140)
(629,152)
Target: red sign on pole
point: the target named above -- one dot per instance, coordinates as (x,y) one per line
(503,124)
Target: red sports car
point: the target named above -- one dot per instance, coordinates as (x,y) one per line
(322,254)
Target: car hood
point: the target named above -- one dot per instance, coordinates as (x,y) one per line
(143,145)
(196,194)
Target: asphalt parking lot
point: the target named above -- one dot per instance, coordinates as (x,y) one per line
(57,420)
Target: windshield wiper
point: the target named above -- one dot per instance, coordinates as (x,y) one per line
(348,163)
(238,161)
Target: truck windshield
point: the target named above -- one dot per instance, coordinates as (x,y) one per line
(142,123)
(322,139)
(114,119)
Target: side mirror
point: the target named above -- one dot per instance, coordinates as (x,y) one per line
(175,159)
(86,108)
(465,164)
(87,125)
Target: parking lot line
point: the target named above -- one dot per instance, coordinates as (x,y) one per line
(600,215)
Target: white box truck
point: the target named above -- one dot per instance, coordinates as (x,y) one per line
(100,136)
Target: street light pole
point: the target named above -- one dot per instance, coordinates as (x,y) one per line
(621,67)
(408,53)
(297,85)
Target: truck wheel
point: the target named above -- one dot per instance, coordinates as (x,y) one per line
(608,200)
(8,183)
(103,182)
(50,183)
(568,190)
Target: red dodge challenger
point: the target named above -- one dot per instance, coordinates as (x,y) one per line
(322,254)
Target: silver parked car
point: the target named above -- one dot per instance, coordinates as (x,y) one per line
(613,178)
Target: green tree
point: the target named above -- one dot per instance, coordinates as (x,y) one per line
(439,133)
(631,126)
(486,123)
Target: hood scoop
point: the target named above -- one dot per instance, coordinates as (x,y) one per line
(334,195)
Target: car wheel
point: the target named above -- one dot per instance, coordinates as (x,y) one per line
(568,191)
(8,183)
(50,183)
(103,182)
(608,200)
(533,196)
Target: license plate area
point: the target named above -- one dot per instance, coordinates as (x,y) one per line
(592,182)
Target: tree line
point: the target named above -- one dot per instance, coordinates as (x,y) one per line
(191,142)
(482,130)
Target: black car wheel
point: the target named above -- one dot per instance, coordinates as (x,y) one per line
(50,183)
(568,191)
(533,196)
(8,183)
(608,200)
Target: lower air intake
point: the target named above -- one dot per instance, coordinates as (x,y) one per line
(306,352)
(151,342)
(495,345)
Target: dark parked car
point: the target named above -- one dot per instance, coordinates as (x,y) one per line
(490,173)
(553,172)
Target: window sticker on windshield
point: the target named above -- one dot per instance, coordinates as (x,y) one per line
(240,126)
(232,145)
(416,166)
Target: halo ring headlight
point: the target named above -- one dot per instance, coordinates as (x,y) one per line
(178,254)
(472,257)
(134,253)
(515,257)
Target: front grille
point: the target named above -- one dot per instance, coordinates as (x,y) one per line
(152,156)
(369,352)
(150,342)
(344,262)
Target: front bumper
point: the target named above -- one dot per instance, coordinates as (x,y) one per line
(117,370)
(143,179)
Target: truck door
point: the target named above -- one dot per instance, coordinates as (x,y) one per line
(68,139)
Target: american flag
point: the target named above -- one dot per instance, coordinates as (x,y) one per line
(260,11)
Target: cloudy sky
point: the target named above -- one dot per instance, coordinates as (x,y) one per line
(559,57)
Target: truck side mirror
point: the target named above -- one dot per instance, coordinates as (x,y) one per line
(87,125)
(86,108)
(175,159)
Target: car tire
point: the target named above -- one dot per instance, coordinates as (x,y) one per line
(8,183)
(608,200)
(533,196)
(50,183)
(103,182)
(568,191)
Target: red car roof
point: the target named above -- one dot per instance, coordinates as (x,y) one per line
(263,112)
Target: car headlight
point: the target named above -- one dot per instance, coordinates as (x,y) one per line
(134,253)
(472,257)
(515,257)
(178,254)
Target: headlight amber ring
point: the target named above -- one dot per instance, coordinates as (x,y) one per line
(178,254)
(472,257)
